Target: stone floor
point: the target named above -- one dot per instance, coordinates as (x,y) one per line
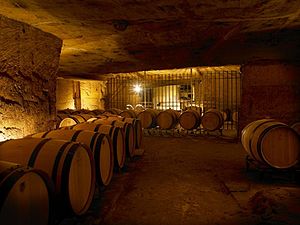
(193,180)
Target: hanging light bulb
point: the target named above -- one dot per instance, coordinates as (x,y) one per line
(137,88)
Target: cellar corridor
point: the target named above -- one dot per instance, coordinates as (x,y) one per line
(138,112)
(193,180)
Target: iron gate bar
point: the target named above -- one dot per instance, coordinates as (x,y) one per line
(191,87)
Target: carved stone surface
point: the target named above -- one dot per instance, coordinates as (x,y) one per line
(29,61)
(135,35)
(91,95)
(270,90)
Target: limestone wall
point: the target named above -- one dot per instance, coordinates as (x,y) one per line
(64,94)
(91,94)
(29,61)
(271,89)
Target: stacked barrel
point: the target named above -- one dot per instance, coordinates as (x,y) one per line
(43,167)
(65,120)
(189,119)
(49,175)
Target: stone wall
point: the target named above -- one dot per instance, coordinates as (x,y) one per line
(64,94)
(29,61)
(91,94)
(271,89)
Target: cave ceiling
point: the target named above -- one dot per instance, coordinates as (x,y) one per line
(113,36)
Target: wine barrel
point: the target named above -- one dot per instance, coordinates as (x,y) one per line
(272,143)
(235,116)
(94,118)
(26,196)
(198,109)
(65,111)
(139,107)
(136,124)
(212,120)
(59,118)
(138,130)
(97,112)
(128,113)
(71,120)
(109,114)
(190,119)
(100,144)
(69,164)
(86,116)
(248,131)
(167,119)
(148,118)
(84,111)
(225,115)
(127,129)
(296,127)
(115,133)
(114,111)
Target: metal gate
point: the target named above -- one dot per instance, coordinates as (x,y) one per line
(179,90)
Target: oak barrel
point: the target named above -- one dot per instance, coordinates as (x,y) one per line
(272,143)
(114,111)
(190,119)
(117,137)
(138,130)
(59,118)
(66,111)
(127,129)
(92,119)
(195,108)
(235,116)
(71,120)
(148,118)
(97,112)
(86,116)
(212,120)
(225,115)
(26,196)
(167,119)
(296,127)
(100,144)
(136,124)
(70,166)
(129,113)
(84,111)
(108,114)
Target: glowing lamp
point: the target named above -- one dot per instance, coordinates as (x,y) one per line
(137,88)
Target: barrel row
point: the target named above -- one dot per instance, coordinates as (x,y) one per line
(189,119)
(130,126)
(228,115)
(81,111)
(53,177)
(96,112)
(71,160)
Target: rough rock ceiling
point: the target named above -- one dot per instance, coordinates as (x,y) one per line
(105,36)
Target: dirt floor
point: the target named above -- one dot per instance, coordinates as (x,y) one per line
(194,180)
